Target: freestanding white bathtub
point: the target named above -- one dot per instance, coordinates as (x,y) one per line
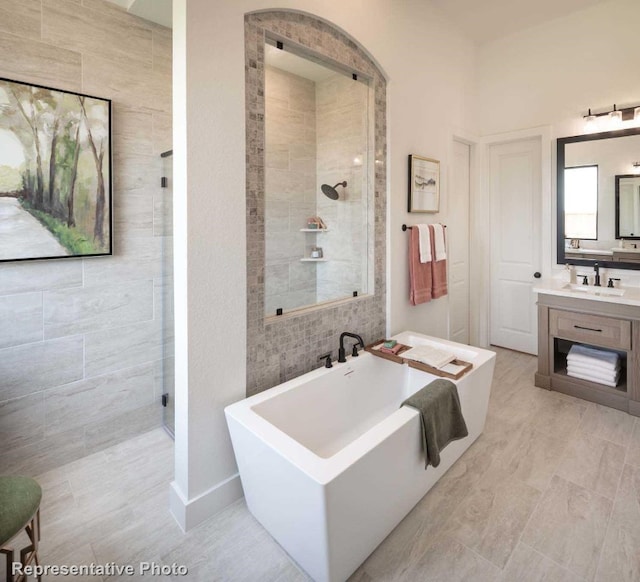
(330,463)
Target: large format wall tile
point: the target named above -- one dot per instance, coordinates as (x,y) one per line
(37,62)
(126,83)
(34,367)
(39,275)
(134,213)
(132,131)
(44,455)
(95,308)
(108,432)
(21,421)
(134,259)
(21,17)
(21,318)
(112,33)
(90,401)
(111,350)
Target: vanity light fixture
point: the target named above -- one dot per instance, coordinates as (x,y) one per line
(590,121)
(615,117)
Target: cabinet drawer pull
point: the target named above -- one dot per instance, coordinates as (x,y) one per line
(586,328)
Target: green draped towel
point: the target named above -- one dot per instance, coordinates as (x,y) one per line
(440,417)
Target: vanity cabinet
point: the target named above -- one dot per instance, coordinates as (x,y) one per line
(626,257)
(563,321)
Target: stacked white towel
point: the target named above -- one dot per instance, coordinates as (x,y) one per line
(594,365)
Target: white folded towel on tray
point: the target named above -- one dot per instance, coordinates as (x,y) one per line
(428,355)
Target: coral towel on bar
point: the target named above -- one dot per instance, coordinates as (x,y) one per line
(419,273)
(439,262)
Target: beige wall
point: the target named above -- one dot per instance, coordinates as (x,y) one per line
(430,73)
(551,74)
(81,357)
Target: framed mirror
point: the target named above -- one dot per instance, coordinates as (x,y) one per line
(628,206)
(598,199)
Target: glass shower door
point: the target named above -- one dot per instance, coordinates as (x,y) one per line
(163,226)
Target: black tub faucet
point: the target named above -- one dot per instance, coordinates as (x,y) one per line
(341,352)
(596,281)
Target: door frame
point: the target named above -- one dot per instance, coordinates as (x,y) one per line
(481,261)
(474,142)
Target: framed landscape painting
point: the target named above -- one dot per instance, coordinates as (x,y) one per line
(424,184)
(55,173)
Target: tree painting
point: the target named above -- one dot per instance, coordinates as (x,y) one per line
(55,173)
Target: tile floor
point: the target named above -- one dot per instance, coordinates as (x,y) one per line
(550,492)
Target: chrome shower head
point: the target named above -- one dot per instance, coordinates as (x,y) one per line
(330,191)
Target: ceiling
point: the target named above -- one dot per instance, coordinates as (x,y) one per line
(481,21)
(296,65)
(492,19)
(158,11)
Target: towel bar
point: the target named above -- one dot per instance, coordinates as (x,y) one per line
(405,227)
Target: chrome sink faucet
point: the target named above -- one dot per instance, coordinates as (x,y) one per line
(341,352)
(596,280)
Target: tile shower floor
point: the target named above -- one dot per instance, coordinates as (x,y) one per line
(550,491)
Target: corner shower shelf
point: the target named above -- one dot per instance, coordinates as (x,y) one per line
(310,260)
(314,230)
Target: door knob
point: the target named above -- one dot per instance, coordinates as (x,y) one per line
(537,275)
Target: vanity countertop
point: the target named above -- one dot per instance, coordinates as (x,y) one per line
(581,251)
(629,296)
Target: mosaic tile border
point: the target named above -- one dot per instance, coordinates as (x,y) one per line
(279,350)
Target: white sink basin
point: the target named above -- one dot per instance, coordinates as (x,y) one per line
(591,290)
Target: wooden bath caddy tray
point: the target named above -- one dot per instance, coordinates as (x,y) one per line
(394,358)
(398,359)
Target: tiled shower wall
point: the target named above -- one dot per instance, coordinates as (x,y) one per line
(290,178)
(282,348)
(81,340)
(342,128)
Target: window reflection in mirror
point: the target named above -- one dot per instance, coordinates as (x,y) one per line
(581,203)
(318,168)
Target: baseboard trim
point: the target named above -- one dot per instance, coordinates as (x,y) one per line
(191,512)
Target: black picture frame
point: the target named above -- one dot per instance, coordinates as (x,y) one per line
(56,173)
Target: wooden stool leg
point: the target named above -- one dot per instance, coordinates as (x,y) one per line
(30,553)
(9,554)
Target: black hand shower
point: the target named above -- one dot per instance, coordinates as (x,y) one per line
(330,191)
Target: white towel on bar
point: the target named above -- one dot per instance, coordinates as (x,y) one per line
(438,233)
(591,379)
(425,242)
(600,375)
(593,356)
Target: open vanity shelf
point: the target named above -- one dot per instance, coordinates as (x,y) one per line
(564,321)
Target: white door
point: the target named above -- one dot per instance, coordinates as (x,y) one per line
(515,188)
(458,243)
